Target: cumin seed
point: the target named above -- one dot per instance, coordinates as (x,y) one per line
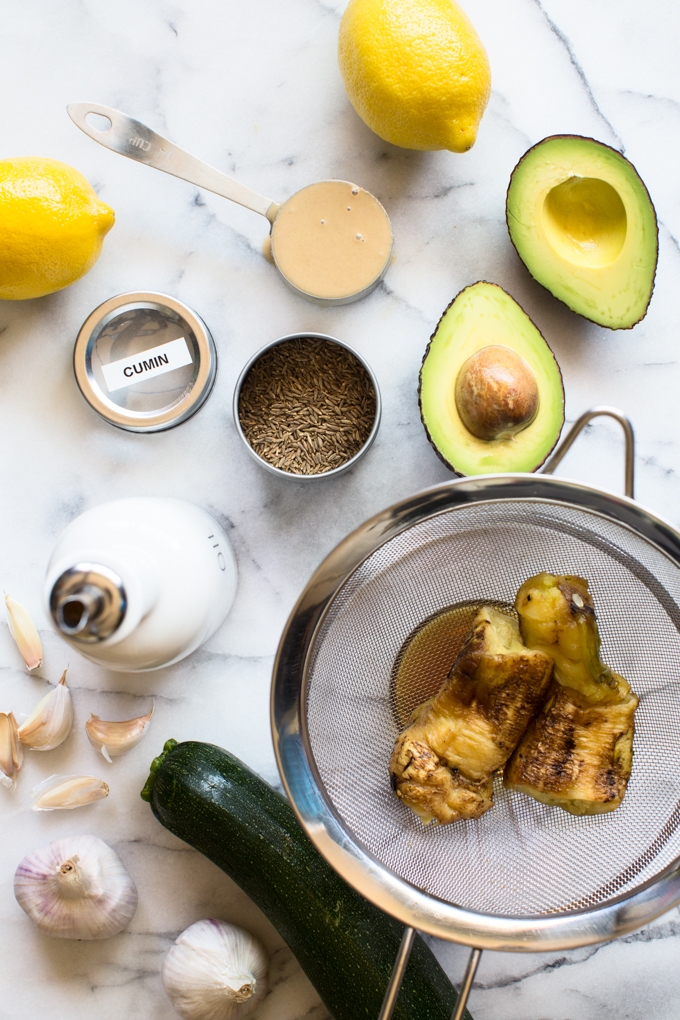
(307,406)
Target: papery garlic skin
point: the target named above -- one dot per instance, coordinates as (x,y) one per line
(215,971)
(51,720)
(25,633)
(66,792)
(11,751)
(76,888)
(114,738)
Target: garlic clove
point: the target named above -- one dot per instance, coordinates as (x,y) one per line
(114,738)
(51,720)
(11,751)
(215,971)
(24,632)
(61,792)
(76,888)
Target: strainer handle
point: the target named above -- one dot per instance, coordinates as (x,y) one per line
(399,969)
(468,978)
(397,975)
(580,424)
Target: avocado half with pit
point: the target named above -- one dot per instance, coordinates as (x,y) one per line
(584,225)
(491,394)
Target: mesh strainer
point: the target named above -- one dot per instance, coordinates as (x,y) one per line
(524,876)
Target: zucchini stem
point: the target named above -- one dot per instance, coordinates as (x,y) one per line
(168,746)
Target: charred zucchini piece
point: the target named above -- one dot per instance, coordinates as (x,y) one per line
(431,789)
(443,762)
(576,755)
(556,616)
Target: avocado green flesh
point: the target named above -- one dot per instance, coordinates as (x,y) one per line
(584,225)
(483,315)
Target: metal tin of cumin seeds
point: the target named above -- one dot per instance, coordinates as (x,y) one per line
(144,361)
(298,421)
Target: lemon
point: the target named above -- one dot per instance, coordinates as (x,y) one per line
(52,226)
(415,71)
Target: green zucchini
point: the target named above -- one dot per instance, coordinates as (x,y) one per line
(345,945)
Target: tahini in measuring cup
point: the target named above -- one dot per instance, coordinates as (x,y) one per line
(331,241)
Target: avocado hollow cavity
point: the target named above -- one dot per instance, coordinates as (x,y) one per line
(585,221)
(496,393)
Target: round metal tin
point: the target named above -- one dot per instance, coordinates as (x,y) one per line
(323,474)
(144,361)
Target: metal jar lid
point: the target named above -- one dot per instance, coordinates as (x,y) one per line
(144,361)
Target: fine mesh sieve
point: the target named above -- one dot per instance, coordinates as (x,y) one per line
(521,857)
(524,876)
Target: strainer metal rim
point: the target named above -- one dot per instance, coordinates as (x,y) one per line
(340,848)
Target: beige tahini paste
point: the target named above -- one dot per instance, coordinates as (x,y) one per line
(332,240)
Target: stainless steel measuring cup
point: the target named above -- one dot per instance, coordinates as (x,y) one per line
(323,254)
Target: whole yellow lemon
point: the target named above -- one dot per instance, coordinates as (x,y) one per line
(52,226)
(415,71)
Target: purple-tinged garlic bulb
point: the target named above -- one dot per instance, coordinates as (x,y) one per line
(76,888)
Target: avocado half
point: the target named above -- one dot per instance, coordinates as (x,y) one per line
(584,225)
(479,320)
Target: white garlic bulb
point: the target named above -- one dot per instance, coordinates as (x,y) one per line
(61,792)
(51,720)
(114,738)
(215,971)
(11,751)
(76,888)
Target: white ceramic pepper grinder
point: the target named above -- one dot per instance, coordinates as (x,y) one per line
(139,583)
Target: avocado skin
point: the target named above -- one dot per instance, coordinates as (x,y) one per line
(443,459)
(595,141)
(441,456)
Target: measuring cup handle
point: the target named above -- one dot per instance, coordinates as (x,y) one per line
(580,424)
(136,141)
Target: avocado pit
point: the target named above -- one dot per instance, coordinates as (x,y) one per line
(491,395)
(496,393)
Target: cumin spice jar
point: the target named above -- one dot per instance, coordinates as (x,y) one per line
(307,406)
(144,361)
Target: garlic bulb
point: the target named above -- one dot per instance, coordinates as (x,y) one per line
(11,751)
(24,632)
(215,971)
(68,792)
(51,720)
(76,888)
(114,738)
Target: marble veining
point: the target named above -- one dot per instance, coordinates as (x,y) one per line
(254,89)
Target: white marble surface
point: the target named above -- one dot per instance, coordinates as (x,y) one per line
(254,89)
